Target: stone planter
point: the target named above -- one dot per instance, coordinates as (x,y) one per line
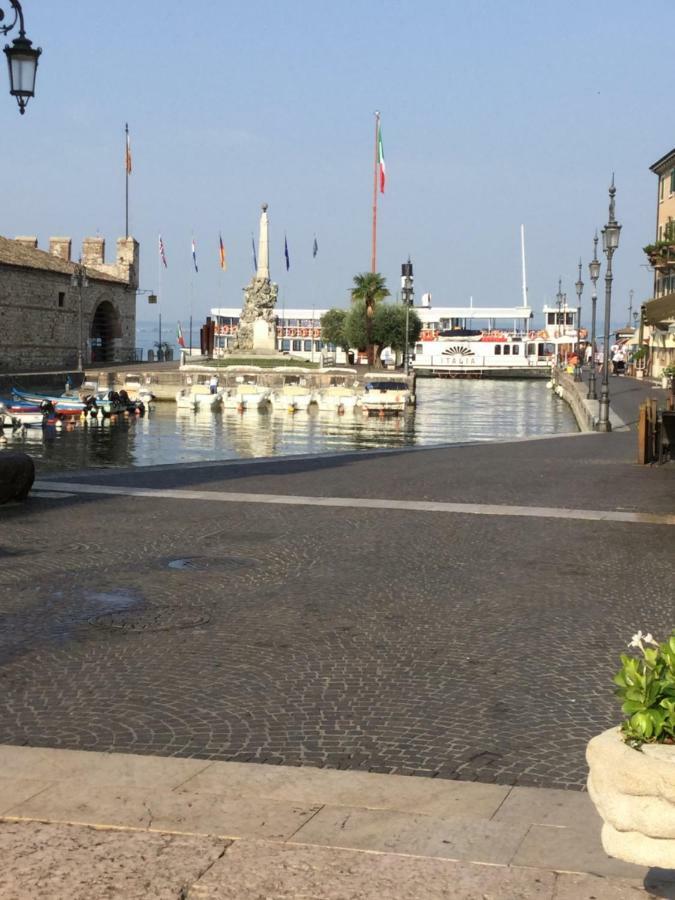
(634,792)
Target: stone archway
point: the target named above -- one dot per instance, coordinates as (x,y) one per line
(105,329)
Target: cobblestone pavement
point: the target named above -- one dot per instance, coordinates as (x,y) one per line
(459,646)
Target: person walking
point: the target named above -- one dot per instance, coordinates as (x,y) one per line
(213,384)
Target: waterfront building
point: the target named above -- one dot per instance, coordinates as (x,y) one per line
(658,315)
(298,331)
(53,309)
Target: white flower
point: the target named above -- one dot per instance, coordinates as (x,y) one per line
(639,639)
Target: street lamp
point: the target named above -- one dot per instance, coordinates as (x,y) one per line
(80,281)
(408,294)
(22,58)
(594,272)
(579,287)
(610,242)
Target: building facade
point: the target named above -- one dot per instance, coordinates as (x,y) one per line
(658,317)
(52,308)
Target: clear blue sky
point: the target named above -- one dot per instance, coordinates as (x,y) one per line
(493,114)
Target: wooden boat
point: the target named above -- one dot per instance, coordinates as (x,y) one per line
(64,404)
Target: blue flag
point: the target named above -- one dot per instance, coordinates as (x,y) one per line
(315,248)
(288,262)
(255,258)
(194,255)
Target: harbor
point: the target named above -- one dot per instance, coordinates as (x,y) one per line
(445,412)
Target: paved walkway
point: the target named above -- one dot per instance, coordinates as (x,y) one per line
(93,825)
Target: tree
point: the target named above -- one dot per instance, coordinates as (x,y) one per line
(389,326)
(371,288)
(333,328)
(356,328)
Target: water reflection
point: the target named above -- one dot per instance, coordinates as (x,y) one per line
(447,411)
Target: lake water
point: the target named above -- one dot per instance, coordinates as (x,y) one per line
(447,411)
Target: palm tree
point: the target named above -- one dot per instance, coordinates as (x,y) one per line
(371,287)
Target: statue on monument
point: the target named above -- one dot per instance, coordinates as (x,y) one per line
(257,323)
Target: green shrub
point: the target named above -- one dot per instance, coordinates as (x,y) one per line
(646,685)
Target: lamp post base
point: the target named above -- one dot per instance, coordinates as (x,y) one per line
(577,373)
(603,426)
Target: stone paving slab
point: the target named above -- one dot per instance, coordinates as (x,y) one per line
(470,822)
(394,832)
(55,862)
(46,861)
(369,790)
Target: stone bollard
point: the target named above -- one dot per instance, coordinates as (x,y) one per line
(17,474)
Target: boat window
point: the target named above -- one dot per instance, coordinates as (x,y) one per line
(507,350)
(285,344)
(498,349)
(297,345)
(531,349)
(318,345)
(386,386)
(419,348)
(516,349)
(308,346)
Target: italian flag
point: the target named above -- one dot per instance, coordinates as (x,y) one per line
(380,159)
(179,336)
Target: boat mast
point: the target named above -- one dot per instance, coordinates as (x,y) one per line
(522,254)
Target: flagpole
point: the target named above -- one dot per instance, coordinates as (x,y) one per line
(373,258)
(126,169)
(159,294)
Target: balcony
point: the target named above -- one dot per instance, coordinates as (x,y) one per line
(661,255)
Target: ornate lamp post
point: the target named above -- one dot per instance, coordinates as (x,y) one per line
(610,242)
(594,272)
(80,281)
(407,294)
(579,287)
(22,57)
(558,319)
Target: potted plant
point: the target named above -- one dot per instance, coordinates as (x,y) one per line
(639,358)
(667,376)
(631,777)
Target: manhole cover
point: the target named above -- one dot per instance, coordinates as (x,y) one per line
(200,563)
(150,618)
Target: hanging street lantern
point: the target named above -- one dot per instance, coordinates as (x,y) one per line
(22,58)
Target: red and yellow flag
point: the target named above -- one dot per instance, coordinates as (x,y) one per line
(221,248)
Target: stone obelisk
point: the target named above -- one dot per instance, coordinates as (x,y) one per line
(257,323)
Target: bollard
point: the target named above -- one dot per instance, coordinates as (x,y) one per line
(17,474)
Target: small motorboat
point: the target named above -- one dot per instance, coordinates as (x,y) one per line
(64,404)
(341,393)
(293,395)
(185,399)
(386,394)
(115,403)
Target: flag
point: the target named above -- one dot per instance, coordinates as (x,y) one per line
(179,336)
(315,248)
(380,158)
(162,253)
(255,258)
(194,255)
(288,262)
(223,262)
(127,156)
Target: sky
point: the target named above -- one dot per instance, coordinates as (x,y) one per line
(493,114)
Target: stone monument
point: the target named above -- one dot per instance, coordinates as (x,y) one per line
(257,323)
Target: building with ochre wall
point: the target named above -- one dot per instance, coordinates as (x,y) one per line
(48,312)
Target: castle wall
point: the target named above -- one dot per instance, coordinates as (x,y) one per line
(40,314)
(37,332)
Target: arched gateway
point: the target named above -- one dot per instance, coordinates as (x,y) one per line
(105,328)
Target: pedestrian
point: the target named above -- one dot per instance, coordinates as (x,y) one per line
(589,354)
(213,384)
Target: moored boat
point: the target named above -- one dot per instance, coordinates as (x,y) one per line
(386,394)
(338,391)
